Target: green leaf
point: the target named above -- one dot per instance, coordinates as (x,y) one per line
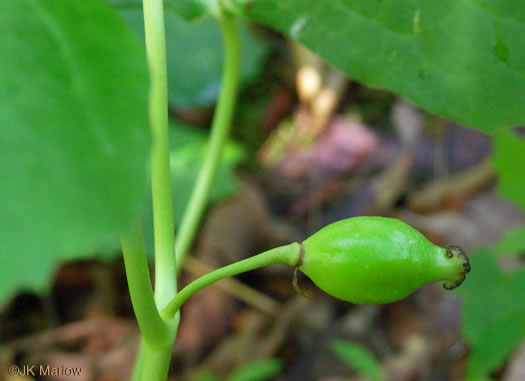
(480,378)
(74,135)
(494,308)
(509,160)
(195,55)
(186,159)
(188,149)
(513,242)
(257,370)
(495,346)
(464,60)
(191,9)
(359,358)
(126,3)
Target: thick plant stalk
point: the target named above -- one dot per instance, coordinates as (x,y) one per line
(154,355)
(155,364)
(219,133)
(158,335)
(165,276)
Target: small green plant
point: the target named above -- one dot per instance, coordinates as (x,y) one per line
(358,358)
(260,370)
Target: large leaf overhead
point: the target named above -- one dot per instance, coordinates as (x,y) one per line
(464,60)
(74,137)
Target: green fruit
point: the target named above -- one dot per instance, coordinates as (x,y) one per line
(375,260)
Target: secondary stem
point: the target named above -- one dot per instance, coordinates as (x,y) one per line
(165,269)
(288,254)
(219,133)
(153,328)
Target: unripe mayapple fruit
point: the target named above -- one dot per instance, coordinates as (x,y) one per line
(375,260)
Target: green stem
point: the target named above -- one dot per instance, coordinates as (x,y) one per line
(159,335)
(288,254)
(155,363)
(153,328)
(165,270)
(136,374)
(219,133)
